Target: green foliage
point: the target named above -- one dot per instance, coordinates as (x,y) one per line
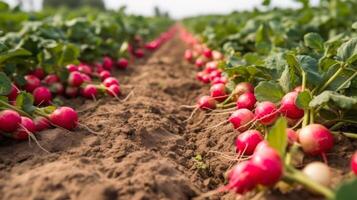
(98,4)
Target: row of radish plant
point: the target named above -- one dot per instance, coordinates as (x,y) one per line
(51,58)
(285,79)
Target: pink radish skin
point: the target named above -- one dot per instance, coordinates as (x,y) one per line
(72,68)
(218,92)
(42,96)
(315,139)
(113,90)
(110,81)
(266,113)
(217,55)
(207,53)
(139,53)
(246,100)
(9,120)
(26,126)
(75,79)
(71,92)
(292,136)
(214,74)
(14,92)
(122,63)
(51,79)
(218,80)
(247,141)
(188,55)
(41,124)
(84,68)
(104,74)
(318,172)
(354,163)
(32,82)
(89,91)
(241,119)
(108,63)
(64,117)
(206,103)
(86,78)
(57,88)
(243,177)
(199,63)
(39,73)
(289,108)
(211,66)
(242,88)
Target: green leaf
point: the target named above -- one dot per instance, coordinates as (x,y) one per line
(13,53)
(277,137)
(5,84)
(354,26)
(303,99)
(348,51)
(262,39)
(342,101)
(314,41)
(268,91)
(4,6)
(347,191)
(25,102)
(310,66)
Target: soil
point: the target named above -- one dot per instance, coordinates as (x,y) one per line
(143,148)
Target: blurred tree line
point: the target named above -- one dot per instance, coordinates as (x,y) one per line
(99,4)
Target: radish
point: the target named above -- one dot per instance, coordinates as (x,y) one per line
(188,55)
(41,123)
(318,172)
(122,63)
(86,78)
(139,53)
(32,82)
(38,72)
(14,92)
(218,92)
(217,80)
(289,108)
(75,79)
(242,88)
(9,120)
(110,81)
(57,88)
(206,103)
(292,136)
(199,62)
(89,91)
(64,117)
(108,63)
(214,74)
(26,127)
(113,90)
(84,68)
(241,118)
(247,141)
(243,177)
(298,89)
(217,55)
(207,53)
(354,163)
(72,68)
(266,112)
(98,67)
(315,139)
(42,96)
(269,162)
(71,91)
(51,78)
(211,66)
(104,74)
(246,100)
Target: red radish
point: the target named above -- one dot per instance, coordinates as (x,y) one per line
(354,163)
(188,55)
(211,66)
(86,78)
(110,81)
(214,74)
(57,88)
(38,72)
(99,67)
(139,53)
(289,108)
(199,76)
(206,103)
(108,63)
(9,120)
(218,92)
(292,136)
(241,119)
(266,112)
(64,117)
(89,91)
(51,78)
(247,141)
(26,126)
(104,74)
(318,172)
(75,79)
(246,100)
(85,69)
(32,82)
(217,55)
(42,96)
(199,62)
(298,89)
(207,53)
(71,91)
(217,80)
(122,63)
(315,139)
(72,68)
(41,123)
(113,90)
(269,162)
(13,92)
(242,88)
(243,177)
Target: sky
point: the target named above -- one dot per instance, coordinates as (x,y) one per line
(184,8)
